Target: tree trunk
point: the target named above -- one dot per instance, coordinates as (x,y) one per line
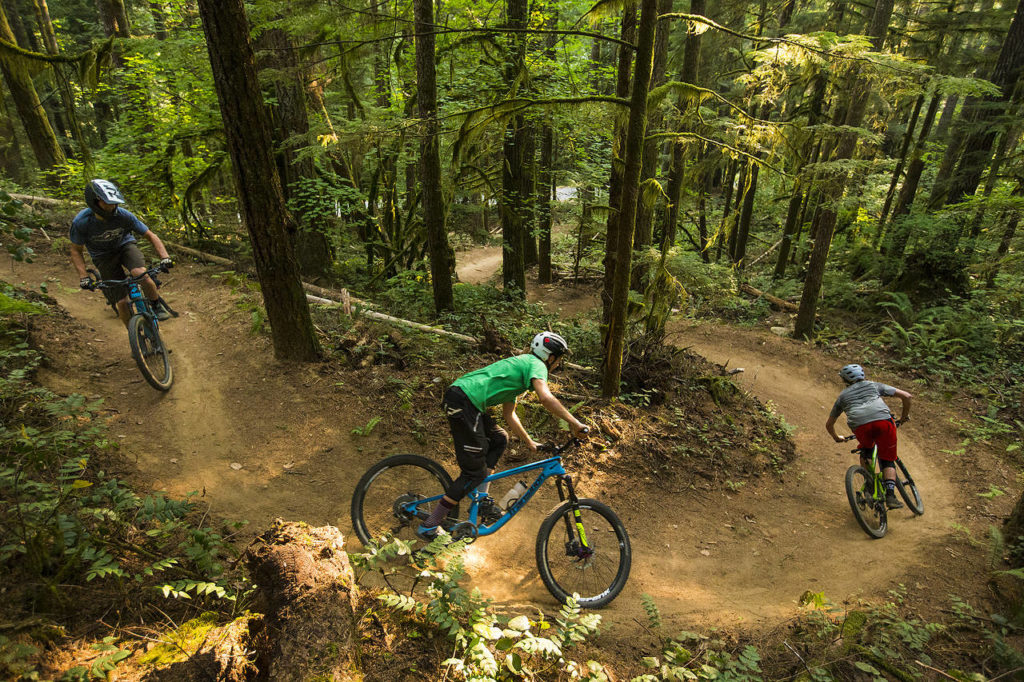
(430,159)
(688,73)
(743,229)
(616,332)
(835,184)
(645,210)
(11,161)
(260,197)
(545,189)
(289,120)
(30,110)
(900,232)
(513,223)
(789,229)
(978,145)
(622,83)
(908,137)
(159,14)
(546,176)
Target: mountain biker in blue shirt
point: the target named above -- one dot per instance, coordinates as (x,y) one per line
(479,441)
(108,232)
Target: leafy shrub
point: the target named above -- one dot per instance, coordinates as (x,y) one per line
(63,519)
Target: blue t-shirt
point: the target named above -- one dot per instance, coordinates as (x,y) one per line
(103,236)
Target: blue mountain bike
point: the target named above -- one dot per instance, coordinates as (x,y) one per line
(582,546)
(148,349)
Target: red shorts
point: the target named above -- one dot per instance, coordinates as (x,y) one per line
(881,433)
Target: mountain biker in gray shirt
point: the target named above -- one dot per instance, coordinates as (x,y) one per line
(871,421)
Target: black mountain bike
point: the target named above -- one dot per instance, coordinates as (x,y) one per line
(149,350)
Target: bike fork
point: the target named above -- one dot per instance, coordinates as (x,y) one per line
(577,518)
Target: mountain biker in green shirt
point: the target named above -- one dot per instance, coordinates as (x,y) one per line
(479,441)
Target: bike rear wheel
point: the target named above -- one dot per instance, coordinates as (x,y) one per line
(387,486)
(596,572)
(869,510)
(150,353)
(908,490)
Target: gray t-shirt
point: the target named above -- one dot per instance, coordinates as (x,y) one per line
(862,402)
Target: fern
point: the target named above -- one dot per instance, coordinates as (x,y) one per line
(653,614)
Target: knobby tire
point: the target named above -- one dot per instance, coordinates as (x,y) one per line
(388,483)
(908,489)
(150,353)
(870,513)
(597,579)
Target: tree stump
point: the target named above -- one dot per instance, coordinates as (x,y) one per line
(306,590)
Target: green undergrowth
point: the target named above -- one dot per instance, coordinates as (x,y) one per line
(76,540)
(439,629)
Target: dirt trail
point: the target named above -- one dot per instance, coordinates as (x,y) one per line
(724,558)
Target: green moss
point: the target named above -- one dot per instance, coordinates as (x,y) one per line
(181,643)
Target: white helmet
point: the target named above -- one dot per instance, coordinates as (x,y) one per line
(852,373)
(546,344)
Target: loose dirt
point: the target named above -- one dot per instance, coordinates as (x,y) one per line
(731,557)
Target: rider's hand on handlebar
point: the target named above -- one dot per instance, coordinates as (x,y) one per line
(582,431)
(166,264)
(86,283)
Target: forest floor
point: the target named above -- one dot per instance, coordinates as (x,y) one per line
(259,439)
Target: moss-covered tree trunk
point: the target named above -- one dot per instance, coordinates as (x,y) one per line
(622,85)
(26,102)
(512,205)
(616,331)
(430,158)
(260,197)
(289,121)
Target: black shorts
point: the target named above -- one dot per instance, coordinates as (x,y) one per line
(479,441)
(113,265)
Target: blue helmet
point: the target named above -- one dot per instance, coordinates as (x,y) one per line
(852,373)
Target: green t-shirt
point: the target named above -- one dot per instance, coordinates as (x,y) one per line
(502,381)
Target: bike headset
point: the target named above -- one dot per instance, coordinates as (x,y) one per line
(102,190)
(547,344)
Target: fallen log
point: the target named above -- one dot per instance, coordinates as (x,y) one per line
(201,255)
(374,315)
(774,300)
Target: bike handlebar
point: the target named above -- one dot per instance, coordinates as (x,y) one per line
(559,449)
(110,283)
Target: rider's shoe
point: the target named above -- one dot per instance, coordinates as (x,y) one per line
(161,311)
(429,533)
(891,502)
(490,512)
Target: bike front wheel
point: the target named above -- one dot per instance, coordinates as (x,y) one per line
(381,498)
(908,490)
(869,510)
(150,353)
(586,554)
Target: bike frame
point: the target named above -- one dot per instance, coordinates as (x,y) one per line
(136,299)
(547,468)
(876,472)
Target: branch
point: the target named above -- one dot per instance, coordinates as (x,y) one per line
(732,150)
(704,21)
